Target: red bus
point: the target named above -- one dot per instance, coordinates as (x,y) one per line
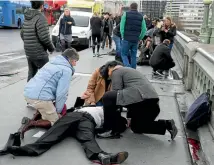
(52,10)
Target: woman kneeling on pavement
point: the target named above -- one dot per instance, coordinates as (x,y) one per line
(50,84)
(132,90)
(98,84)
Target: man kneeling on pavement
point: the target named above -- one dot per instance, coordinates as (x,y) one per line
(81,124)
(47,91)
(161,59)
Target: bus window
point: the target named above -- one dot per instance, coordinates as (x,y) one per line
(0,9)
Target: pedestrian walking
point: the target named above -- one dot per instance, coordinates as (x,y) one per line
(132,29)
(96,27)
(107,30)
(65,29)
(36,37)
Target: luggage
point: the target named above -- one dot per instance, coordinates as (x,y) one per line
(199,112)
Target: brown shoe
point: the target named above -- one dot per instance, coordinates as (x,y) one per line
(35,124)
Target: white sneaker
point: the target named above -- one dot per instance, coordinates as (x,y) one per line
(94,55)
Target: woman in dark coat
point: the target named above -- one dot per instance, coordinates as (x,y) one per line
(65,31)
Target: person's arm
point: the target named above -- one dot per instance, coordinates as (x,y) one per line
(172,31)
(91,87)
(60,26)
(117,81)
(62,90)
(72,22)
(43,33)
(143,30)
(122,25)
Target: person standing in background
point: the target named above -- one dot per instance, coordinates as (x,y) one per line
(107,30)
(96,25)
(132,29)
(36,37)
(65,29)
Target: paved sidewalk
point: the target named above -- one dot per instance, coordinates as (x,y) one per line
(143,149)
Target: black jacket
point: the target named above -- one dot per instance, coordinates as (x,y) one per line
(169,35)
(96,25)
(64,27)
(116,31)
(35,34)
(160,54)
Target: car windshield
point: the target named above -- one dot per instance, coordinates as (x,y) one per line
(81,21)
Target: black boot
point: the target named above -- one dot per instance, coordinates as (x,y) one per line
(107,159)
(13,140)
(170,126)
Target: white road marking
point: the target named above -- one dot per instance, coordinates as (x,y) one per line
(16,58)
(83,74)
(6,54)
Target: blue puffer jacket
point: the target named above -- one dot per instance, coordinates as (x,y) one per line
(51,83)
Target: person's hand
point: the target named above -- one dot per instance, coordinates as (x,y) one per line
(84,96)
(163,28)
(59,115)
(69,23)
(166,30)
(93,103)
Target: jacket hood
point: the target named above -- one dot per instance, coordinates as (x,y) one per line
(60,60)
(30,13)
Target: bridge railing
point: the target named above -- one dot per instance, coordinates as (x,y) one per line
(197,63)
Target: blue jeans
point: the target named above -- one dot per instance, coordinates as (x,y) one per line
(132,47)
(170,46)
(117,41)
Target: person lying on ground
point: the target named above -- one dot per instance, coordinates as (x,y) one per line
(98,84)
(161,59)
(49,85)
(133,90)
(80,124)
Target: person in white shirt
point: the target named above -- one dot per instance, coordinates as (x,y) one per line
(81,124)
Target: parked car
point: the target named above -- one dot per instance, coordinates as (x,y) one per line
(81,33)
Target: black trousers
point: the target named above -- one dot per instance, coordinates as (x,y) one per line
(142,114)
(65,45)
(34,65)
(105,35)
(96,39)
(75,124)
(164,65)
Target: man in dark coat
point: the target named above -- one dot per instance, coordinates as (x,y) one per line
(132,90)
(161,59)
(96,27)
(36,37)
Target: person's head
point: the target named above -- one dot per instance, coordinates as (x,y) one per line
(37,4)
(106,15)
(66,11)
(167,42)
(72,56)
(95,14)
(168,21)
(134,6)
(108,67)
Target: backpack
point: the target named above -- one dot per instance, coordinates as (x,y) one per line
(199,112)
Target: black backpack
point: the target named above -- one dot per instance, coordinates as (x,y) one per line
(199,112)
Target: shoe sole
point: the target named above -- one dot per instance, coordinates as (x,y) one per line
(121,157)
(174,130)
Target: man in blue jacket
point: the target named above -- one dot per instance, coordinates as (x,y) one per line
(132,29)
(50,84)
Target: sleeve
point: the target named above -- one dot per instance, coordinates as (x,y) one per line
(122,25)
(22,34)
(62,90)
(117,82)
(43,34)
(73,22)
(172,31)
(143,30)
(92,85)
(60,26)
(168,54)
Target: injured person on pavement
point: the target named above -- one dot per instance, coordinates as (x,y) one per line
(81,124)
